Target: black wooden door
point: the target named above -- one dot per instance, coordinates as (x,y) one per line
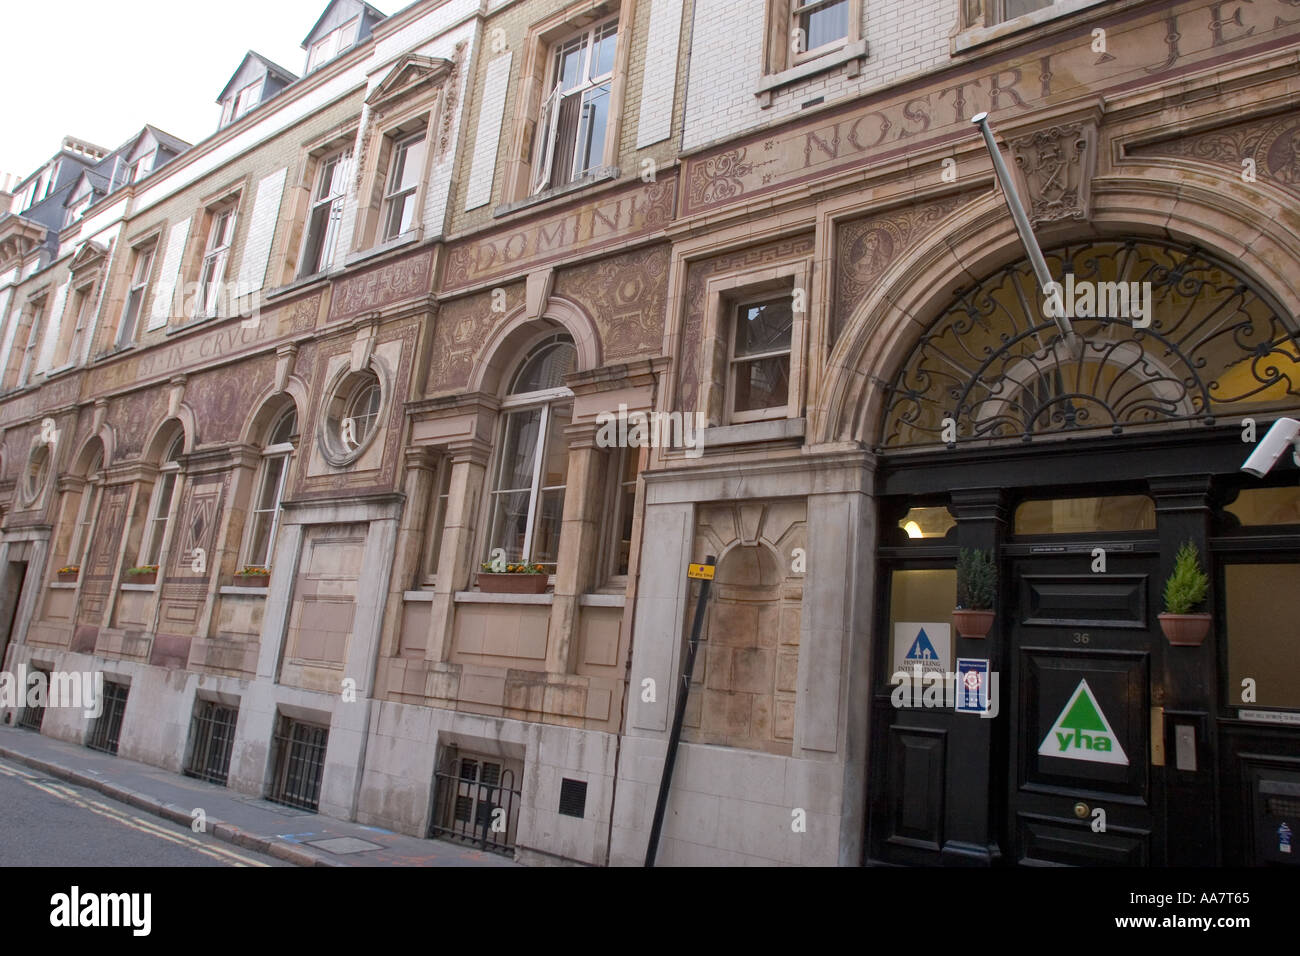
(1083,650)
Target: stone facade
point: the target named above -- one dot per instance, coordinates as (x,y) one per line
(848,189)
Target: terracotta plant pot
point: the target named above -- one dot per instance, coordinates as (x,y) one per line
(512,583)
(252,580)
(69,577)
(1185,630)
(972,623)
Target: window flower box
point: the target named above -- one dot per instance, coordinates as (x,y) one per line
(145,574)
(253,577)
(69,574)
(514,579)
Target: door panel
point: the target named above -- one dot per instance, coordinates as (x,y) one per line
(1082,654)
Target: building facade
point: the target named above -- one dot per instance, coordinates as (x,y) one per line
(367,341)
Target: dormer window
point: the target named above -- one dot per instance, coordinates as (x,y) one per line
(245,100)
(332,44)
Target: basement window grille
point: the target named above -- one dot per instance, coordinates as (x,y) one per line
(476,801)
(212,736)
(31,717)
(107,729)
(573,797)
(299,763)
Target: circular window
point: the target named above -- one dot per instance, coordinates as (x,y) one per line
(38,469)
(352,416)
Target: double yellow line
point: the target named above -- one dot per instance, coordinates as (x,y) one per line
(68,794)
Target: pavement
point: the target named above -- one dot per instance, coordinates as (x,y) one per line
(296,836)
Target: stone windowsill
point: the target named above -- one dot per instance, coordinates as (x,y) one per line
(978,36)
(602,600)
(139,587)
(240,589)
(775,429)
(405,239)
(300,283)
(64,585)
(114,352)
(193,323)
(851,53)
(483,597)
(599,175)
(418,595)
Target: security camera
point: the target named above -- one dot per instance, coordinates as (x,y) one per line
(1284,434)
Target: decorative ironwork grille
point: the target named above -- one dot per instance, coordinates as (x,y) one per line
(104,735)
(31,717)
(212,736)
(994,365)
(476,801)
(299,764)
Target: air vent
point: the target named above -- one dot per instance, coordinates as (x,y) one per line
(816,102)
(573,797)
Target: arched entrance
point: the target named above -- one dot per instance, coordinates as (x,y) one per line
(1082,470)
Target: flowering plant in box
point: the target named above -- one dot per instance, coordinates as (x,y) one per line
(70,569)
(488,567)
(253,571)
(143,569)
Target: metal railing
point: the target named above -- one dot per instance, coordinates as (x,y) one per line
(299,764)
(212,737)
(476,801)
(108,727)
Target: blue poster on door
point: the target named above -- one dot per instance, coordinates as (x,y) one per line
(972,685)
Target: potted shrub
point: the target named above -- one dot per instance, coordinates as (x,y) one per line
(498,578)
(145,574)
(253,576)
(70,573)
(977,588)
(1184,591)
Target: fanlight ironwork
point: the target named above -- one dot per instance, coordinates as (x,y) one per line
(994,365)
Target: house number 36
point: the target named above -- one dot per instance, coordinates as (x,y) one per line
(1081,637)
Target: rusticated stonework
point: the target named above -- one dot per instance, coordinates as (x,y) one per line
(626,295)
(460,332)
(692,352)
(866,248)
(1273,145)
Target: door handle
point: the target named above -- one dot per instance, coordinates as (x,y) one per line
(1157,736)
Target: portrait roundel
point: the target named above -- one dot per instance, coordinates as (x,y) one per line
(1280,148)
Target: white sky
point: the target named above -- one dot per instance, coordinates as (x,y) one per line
(101,70)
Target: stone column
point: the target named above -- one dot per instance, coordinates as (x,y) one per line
(579,544)
(833,706)
(417,486)
(458,559)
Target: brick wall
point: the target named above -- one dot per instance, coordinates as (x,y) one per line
(726,62)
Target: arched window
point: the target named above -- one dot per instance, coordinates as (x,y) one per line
(87,506)
(269,490)
(527,498)
(160,505)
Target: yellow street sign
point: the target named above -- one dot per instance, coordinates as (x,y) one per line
(702,571)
